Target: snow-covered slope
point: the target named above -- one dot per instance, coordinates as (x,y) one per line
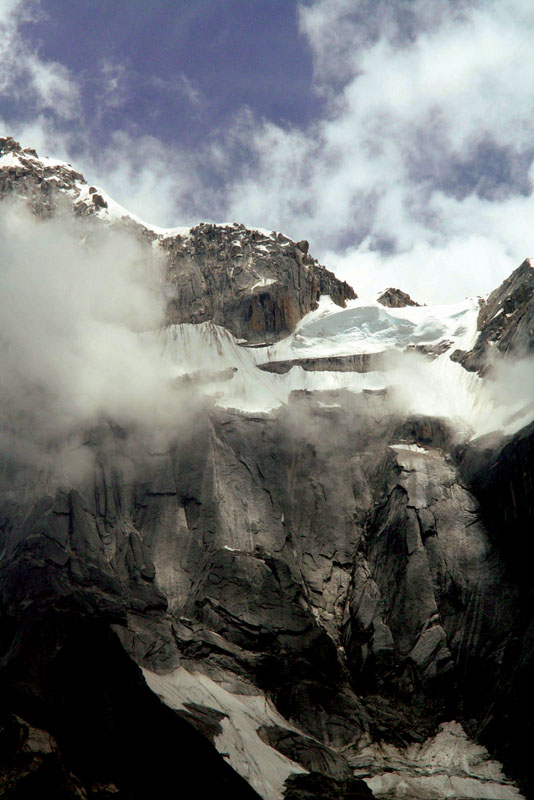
(446,765)
(414,344)
(242,715)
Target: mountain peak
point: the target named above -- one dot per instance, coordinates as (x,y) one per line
(257,283)
(396,298)
(505,321)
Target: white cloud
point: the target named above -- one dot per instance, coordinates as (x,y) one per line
(413,172)
(52,87)
(112,88)
(191,92)
(463,266)
(182,86)
(146,176)
(413,106)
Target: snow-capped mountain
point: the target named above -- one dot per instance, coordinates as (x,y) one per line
(313,581)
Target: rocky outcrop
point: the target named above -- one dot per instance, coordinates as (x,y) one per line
(257,284)
(361,362)
(505,322)
(447,764)
(396,298)
(317,785)
(42,182)
(431,350)
(31,764)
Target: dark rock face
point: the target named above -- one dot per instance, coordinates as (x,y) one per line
(501,474)
(362,362)
(108,734)
(258,285)
(317,785)
(351,581)
(505,321)
(31,765)
(310,753)
(395,298)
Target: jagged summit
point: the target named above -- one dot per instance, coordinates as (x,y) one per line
(256,283)
(396,298)
(505,321)
(38,180)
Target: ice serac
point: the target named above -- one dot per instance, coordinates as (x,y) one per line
(317,587)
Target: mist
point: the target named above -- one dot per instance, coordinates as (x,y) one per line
(74,299)
(501,402)
(85,373)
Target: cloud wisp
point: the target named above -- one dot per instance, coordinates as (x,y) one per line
(37,85)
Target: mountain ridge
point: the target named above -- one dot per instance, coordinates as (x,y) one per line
(312,568)
(259,283)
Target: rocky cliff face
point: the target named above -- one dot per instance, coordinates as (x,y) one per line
(505,322)
(395,298)
(307,591)
(256,284)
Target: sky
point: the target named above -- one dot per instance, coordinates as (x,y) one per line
(394,135)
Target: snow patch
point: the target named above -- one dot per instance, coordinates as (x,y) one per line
(263,767)
(263,282)
(115,213)
(52,163)
(9,159)
(413,448)
(448,765)
(416,385)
